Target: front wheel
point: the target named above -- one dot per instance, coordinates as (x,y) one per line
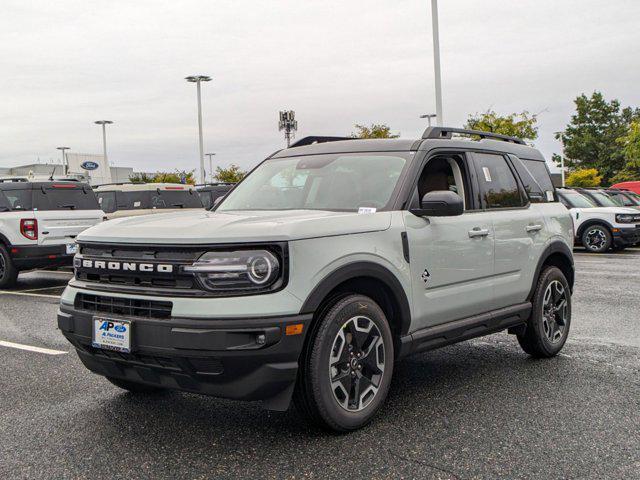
(548,326)
(597,239)
(347,366)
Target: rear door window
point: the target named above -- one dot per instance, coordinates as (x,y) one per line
(498,185)
(536,179)
(17,200)
(65,197)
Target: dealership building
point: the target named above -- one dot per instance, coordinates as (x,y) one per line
(82,166)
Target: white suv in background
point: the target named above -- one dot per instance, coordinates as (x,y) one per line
(39,222)
(600,228)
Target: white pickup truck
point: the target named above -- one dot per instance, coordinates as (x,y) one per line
(39,222)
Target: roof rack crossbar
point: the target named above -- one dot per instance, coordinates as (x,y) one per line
(445,133)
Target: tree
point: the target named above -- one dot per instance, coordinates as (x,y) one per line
(233,174)
(520,125)
(588,177)
(376,130)
(164,177)
(591,137)
(630,144)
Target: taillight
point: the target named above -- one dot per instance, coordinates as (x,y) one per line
(29,228)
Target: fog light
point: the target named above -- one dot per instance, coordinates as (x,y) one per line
(261,339)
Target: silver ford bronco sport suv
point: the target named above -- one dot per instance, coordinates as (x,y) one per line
(328,263)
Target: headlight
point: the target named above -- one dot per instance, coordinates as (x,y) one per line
(244,270)
(625,218)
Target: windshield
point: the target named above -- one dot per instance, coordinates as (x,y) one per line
(604,200)
(337,182)
(577,200)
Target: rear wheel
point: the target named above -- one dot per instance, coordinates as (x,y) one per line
(133,387)
(548,326)
(347,366)
(8,271)
(597,239)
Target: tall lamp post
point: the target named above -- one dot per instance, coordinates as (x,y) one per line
(197,79)
(436,61)
(559,137)
(289,124)
(428,116)
(104,124)
(65,167)
(210,155)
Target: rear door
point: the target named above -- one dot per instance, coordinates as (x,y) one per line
(519,227)
(64,210)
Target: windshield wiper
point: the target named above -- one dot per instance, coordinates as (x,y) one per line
(181,205)
(69,206)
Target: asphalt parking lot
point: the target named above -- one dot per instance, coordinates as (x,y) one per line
(480,409)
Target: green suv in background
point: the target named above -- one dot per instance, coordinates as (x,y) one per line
(327,264)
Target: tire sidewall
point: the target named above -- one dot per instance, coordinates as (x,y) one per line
(8,277)
(550,275)
(334,319)
(605,230)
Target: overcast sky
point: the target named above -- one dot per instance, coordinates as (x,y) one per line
(66,63)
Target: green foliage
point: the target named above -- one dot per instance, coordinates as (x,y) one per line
(376,130)
(233,174)
(587,177)
(164,177)
(591,138)
(521,125)
(630,144)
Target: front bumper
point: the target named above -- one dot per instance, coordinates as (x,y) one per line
(626,237)
(28,257)
(219,357)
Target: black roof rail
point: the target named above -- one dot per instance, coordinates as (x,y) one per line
(445,133)
(116,183)
(214,184)
(314,139)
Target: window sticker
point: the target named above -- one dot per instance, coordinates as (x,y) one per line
(487,174)
(365,210)
(136,204)
(549,195)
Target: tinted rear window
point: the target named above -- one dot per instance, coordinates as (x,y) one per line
(540,173)
(65,198)
(175,199)
(206,199)
(16,200)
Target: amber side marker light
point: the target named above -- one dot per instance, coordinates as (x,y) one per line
(295,329)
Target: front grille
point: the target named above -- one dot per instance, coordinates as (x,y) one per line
(123,306)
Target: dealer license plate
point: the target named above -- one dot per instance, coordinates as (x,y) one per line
(111,334)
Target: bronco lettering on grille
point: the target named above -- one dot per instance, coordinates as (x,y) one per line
(127,266)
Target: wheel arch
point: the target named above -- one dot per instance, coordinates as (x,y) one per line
(557,254)
(366,278)
(4,240)
(591,223)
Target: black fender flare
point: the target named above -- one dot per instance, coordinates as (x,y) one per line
(359,270)
(4,240)
(593,221)
(556,247)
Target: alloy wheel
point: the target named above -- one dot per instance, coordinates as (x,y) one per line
(356,363)
(554,311)
(595,239)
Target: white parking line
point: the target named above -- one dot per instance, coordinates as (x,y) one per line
(29,348)
(26,294)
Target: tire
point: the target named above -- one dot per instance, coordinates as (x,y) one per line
(8,271)
(353,325)
(136,388)
(597,239)
(547,329)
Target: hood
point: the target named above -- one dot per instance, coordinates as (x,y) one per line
(198,227)
(612,210)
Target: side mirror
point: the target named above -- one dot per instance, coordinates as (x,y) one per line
(440,203)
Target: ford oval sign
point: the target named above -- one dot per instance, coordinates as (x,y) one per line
(89,165)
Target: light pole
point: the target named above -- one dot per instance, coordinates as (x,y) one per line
(65,168)
(289,124)
(104,124)
(210,155)
(559,137)
(197,79)
(428,116)
(436,61)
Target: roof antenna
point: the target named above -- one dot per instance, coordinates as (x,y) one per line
(52,172)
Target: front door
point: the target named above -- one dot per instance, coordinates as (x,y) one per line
(451,258)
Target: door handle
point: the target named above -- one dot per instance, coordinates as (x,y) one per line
(533,228)
(478,232)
